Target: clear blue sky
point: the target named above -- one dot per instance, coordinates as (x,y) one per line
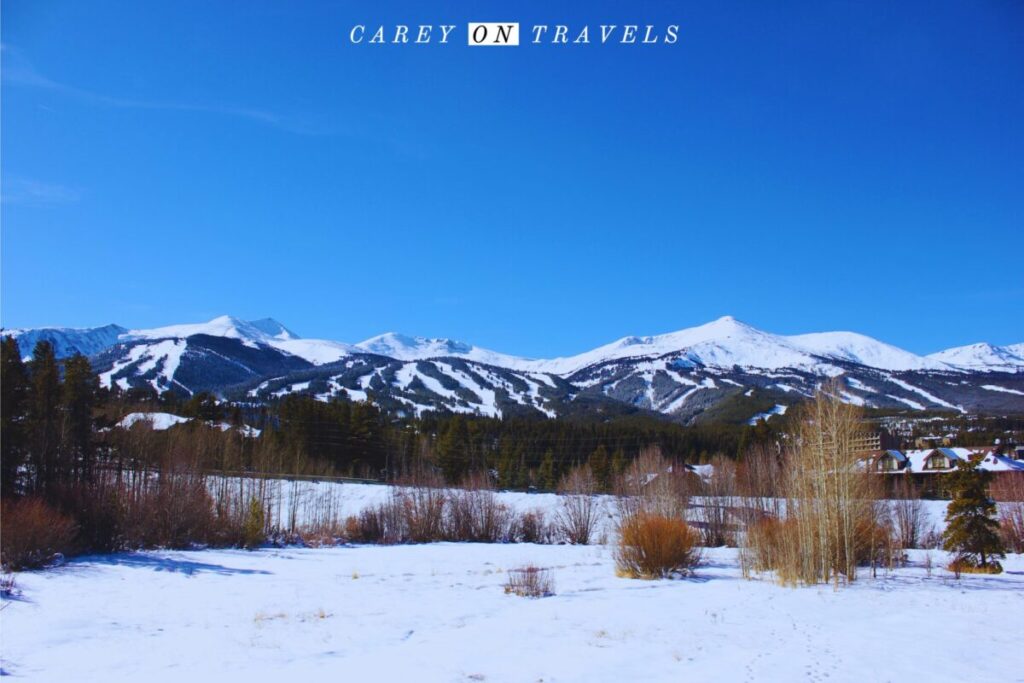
(803,166)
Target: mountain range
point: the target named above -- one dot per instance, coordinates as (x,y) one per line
(724,369)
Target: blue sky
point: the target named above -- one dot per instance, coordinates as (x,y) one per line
(801,166)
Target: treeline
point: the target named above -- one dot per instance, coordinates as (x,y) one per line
(357,439)
(47,420)
(59,424)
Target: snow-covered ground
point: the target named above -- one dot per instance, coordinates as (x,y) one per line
(438,613)
(312,501)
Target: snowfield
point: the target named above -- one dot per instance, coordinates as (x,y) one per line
(439,613)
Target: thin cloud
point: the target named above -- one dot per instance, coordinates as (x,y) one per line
(30,192)
(22,73)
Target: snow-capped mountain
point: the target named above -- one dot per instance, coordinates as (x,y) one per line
(863,350)
(724,369)
(404,347)
(67,341)
(225,326)
(727,342)
(722,343)
(984,357)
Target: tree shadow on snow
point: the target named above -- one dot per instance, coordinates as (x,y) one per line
(161,563)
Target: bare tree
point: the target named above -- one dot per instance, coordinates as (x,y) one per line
(831,519)
(581,509)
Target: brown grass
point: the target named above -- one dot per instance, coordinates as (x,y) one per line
(530,582)
(965,565)
(653,546)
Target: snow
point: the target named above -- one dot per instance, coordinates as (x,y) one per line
(993,387)
(906,401)
(438,613)
(410,348)
(779,409)
(858,348)
(922,392)
(722,343)
(984,357)
(165,354)
(488,404)
(273,328)
(162,421)
(222,326)
(66,341)
(316,351)
(295,388)
(158,421)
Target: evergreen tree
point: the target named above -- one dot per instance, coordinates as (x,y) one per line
(451,450)
(14,401)
(44,416)
(546,477)
(203,406)
(972,531)
(600,465)
(78,396)
(619,462)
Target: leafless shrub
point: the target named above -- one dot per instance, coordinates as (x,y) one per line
(932,539)
(8,586)
(714,515)
(530,582)
(760,480)
(423,514)
(173,510)
(654,485)
(475,514)
(531,527)
(653,546)
(381,523)
(908,515)
(1011,525)
(580,512)
(33,534)
(1008,489)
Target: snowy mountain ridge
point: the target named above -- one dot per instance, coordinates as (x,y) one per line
(723,343)
(722,370)
(983,357)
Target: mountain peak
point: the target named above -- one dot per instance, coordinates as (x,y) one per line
(273,328)
(406,347)
(983,356)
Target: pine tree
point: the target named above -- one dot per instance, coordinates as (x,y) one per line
(44,415)
(972,531)
(78,395)
(619,462)
(601,467)
(15,389)
(451,450)
(546,477)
